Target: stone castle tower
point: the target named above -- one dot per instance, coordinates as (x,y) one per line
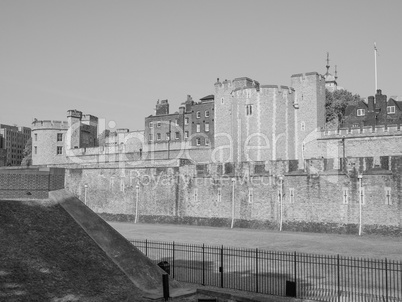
(310,115)
(256,122)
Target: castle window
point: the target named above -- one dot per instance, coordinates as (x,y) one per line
(391,109)
(151,137)
(158,124)
(198,141)
(250,195)
(198,127)
(388,200)
(198,114)
(36,137)
(222,100)
(177,135)
(158,136)
(151,125)
(345,195)
(59,150)
(361,112)
(186,134)
(206,127)
(59,137)
(186,121)
(249,109)
(207,113)
(291,195)
(195,196)
(302,126)
(219,194)
(168,136)
(36,150)
(206,142)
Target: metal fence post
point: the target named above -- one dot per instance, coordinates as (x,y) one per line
(256,270)
(295,266)
(146,247)
(386,280)
(173,261)
(339,278)
(203,264)
(221,268)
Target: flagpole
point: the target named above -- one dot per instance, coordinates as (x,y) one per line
(375,66)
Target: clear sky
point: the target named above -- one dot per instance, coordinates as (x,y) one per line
(115,59)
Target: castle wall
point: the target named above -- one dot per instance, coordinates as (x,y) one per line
(203,194)
(364,142)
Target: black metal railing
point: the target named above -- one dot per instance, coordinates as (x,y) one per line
(307,276)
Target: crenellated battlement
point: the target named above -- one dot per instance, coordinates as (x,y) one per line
(303,76)
(382,130)
(52,124)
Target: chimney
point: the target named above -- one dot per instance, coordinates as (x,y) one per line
(162,107)
(370,103)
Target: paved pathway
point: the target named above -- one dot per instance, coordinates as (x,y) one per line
(346,245)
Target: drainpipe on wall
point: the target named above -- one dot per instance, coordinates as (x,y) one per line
(233,202)
(170,137)
(360,177)
(137,188)
(344,154)
(281,202)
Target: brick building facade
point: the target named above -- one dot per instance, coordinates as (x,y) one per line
(377,110)
(13,140)
(192,125)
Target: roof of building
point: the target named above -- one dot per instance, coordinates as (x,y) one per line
(208,97)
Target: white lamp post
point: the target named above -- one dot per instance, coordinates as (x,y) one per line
(137,187)
(233,202)
(281,201)
(360,177)
(85,194)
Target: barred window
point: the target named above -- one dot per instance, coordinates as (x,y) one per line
(59,150)
(345,195)
(291,195)
(388,200)
(195,197)
(250,195)
(249,109)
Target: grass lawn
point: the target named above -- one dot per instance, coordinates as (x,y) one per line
(328,244)
(46,256)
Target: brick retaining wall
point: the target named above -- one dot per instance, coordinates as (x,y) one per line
(33,183)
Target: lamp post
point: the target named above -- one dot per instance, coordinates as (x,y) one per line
(85,194)
(137,188)
(360,177)
(233,202)
(281,201)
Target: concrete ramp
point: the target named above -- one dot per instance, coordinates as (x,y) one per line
(145,275)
